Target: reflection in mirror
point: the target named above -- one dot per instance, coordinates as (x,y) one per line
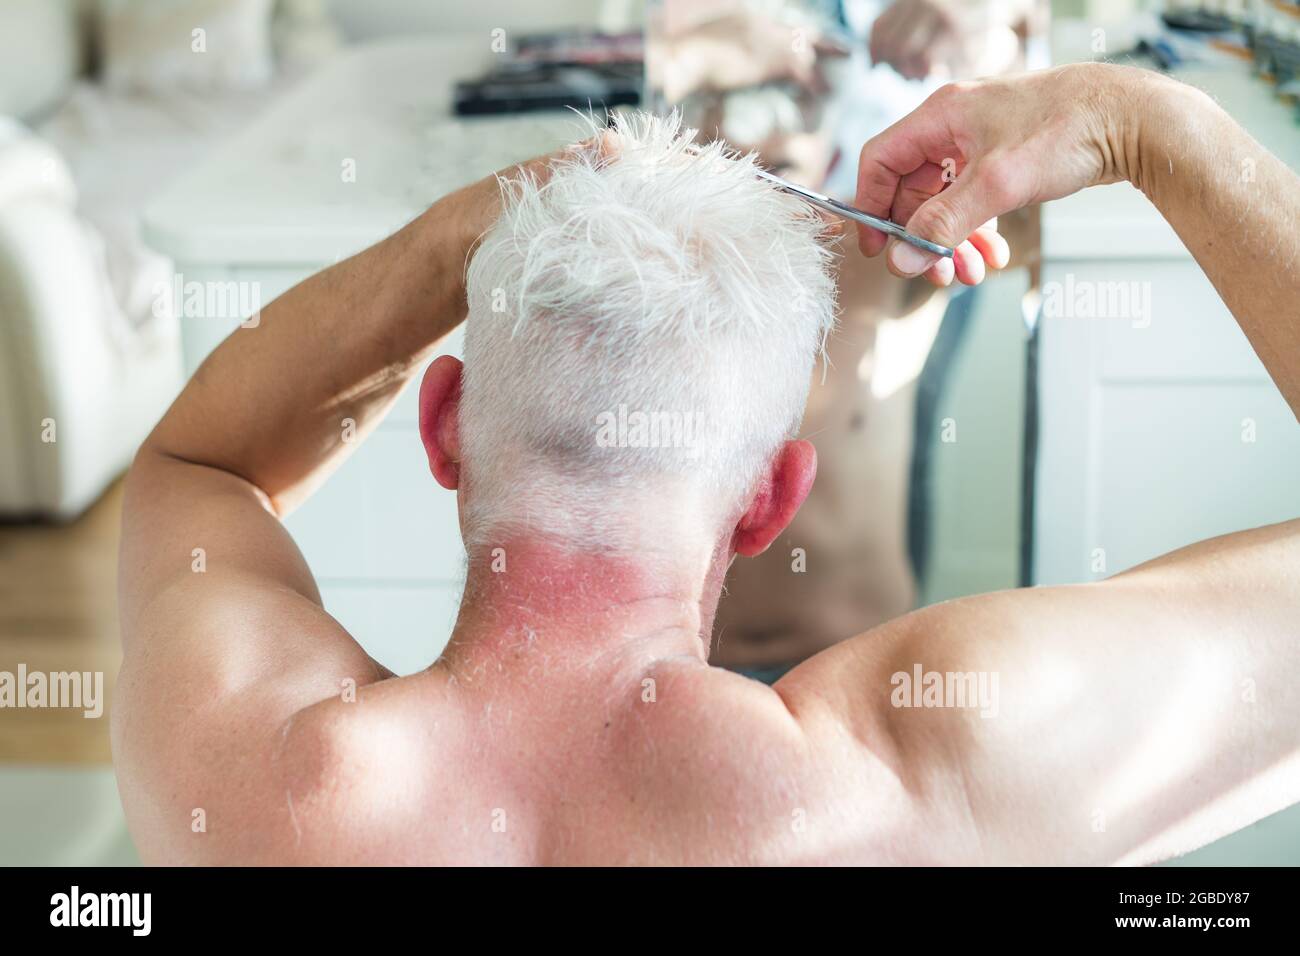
(918,413)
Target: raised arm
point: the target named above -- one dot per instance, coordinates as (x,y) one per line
(224,635)
(1127,720)
(1123,721)
(1013,141)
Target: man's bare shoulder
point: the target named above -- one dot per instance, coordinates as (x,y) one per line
(396,773)
(425,770)
(422,769)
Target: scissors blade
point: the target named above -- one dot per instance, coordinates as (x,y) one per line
(846,211)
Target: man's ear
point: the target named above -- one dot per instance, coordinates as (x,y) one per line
(440,419)
(782,492)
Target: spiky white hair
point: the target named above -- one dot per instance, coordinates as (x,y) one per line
(648,280)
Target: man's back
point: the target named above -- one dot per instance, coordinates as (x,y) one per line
(665,761)
(625,761)
(601,747)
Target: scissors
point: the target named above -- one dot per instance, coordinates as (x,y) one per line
(850,212)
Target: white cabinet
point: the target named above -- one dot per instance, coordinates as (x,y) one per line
(1157,425)
(1155,432)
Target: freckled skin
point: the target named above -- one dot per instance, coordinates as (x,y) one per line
(573,719)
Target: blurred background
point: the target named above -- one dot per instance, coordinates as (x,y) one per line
(168,167)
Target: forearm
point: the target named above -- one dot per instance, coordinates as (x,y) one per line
(1237,209)
(282,402)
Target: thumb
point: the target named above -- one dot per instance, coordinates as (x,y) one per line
(946,218)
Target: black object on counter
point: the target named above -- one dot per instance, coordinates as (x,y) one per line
(580,69)
(523,87)
(1200,21)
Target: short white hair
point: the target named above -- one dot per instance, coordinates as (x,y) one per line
(642,331)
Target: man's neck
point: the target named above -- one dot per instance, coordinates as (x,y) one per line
(533,596)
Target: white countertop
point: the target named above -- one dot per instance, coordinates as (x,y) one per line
(277,194)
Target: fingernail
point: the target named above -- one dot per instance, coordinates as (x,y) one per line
(909,260)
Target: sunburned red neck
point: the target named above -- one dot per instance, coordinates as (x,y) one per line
(590,600)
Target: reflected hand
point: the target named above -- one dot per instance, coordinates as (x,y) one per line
(913,36)
(947,38)
(737,51)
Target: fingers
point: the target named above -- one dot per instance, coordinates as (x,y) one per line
(890,156)
(913,59)
(968,264)
(991,245)
(915,189)
(971,260)
(948,218)
(883,39)
(941,273)
(902,37)
(916,66)
(871,241)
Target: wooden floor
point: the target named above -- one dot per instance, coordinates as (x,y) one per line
(58,612)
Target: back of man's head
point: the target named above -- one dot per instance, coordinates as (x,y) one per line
(641,335)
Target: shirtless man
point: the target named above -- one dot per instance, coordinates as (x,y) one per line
(573,717)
